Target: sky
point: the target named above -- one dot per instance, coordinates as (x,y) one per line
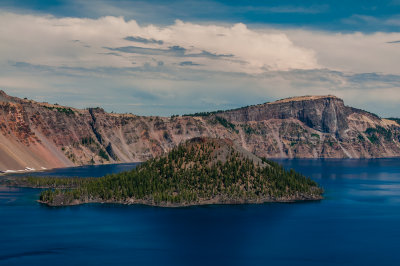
(177,57)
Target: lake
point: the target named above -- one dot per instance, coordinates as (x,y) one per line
(358,223)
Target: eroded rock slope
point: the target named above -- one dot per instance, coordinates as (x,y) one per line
(41,135)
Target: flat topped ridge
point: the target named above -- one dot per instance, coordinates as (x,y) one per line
(50,105)
(305,98)
(4,97)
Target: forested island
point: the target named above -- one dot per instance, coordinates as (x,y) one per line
(199,171)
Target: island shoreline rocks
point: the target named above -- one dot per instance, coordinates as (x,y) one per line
(201,203)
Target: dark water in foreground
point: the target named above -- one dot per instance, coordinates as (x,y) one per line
(357,224)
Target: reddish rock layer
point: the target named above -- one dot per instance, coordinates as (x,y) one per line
(40,135)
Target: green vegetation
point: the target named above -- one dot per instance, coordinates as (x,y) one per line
(103,154)
(166,135)
(378,130)
(205,113)
(87,141)
(225,123)
(373,139)
(330,142)
(248,130)
(194,172)
(397,120)
(222,111)
(52,182)
(65,110)
(313,135)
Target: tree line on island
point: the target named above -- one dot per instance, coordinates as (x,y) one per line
(200,171)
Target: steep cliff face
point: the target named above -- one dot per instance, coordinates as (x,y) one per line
(326,114)
(41,135)
(315,126)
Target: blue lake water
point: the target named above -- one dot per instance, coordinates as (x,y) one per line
(358,223)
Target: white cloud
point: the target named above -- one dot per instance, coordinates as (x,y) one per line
(78,42)
(86,62)
(352,52)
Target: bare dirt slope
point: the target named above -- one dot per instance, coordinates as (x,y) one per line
(40,135)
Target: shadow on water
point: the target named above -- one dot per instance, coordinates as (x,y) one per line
(31,253)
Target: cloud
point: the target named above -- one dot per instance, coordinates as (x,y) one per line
(142,40)
(48,40)
(318,15)
(374,23)
(172,51)
(209,55)
(351,52)
(187,67)
(188,63)
(153,90)
(175,51)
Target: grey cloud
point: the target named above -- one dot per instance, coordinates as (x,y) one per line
(142,40)
(370,79)
(81,43)
(325,77)
(373,24)
(29,66)
(176,51)
(150,84)
(209,55)
(144,95)
(146,68)
(172,51)
(111,53)
(394,41)
(188,63)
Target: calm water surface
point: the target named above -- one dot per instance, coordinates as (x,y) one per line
(358,223)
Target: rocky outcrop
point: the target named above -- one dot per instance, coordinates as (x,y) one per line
(326,114)
(42,135)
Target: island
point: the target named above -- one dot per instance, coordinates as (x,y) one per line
(197,172)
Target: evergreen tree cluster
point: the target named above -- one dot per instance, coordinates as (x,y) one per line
(193,172)
(378,130)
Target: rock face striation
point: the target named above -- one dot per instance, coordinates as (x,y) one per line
(41,135)
(326,114)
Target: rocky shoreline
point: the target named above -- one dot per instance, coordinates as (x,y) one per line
(214,201)
(21,182)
